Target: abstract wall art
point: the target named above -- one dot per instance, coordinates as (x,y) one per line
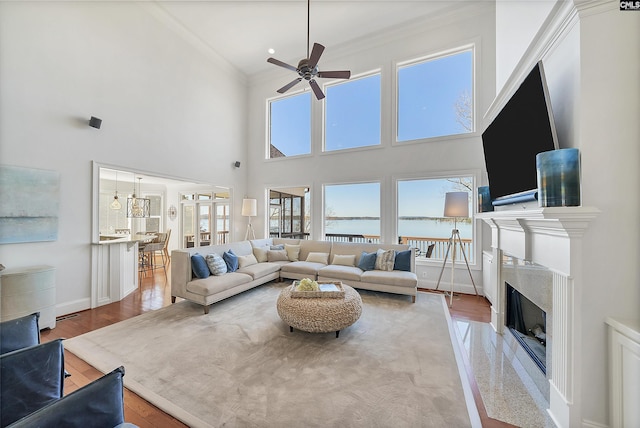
(30,204)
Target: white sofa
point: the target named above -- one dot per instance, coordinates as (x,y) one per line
(207,291)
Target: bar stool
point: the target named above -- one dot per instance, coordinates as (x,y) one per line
(147,259)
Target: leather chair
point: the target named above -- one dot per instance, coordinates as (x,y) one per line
(97,404)
(32,377)
(19,333)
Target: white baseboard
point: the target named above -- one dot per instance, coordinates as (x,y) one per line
(74,306)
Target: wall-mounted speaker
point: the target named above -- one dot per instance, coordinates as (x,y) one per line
(94,122)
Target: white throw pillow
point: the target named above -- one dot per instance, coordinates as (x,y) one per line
(293,251)
(277,256)
(318,258)
(244,261)
(344,259)
(261,253)
(385,260)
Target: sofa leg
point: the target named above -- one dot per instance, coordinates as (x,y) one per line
(413,299)
(206,309)
(173,299)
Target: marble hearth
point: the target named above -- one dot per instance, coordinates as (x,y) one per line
(551,238)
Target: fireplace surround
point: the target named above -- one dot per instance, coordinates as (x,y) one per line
(551,238)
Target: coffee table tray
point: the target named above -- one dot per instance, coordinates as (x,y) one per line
(333,289)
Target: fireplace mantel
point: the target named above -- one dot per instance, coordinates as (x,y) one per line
(550,237)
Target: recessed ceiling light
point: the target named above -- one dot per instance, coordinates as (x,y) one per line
(271,51)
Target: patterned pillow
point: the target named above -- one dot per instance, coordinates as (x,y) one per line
(231,260)
(199,266)
(385,259)
(217,265)
(277,247)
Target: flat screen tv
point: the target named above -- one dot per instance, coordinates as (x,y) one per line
(522,129)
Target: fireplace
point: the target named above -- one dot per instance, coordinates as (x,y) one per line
(528,324)
(538,252)
(528,300)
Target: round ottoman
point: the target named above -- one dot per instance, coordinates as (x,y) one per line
(320,314)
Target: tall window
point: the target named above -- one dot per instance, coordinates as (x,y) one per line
(290,126)
(421,220)
(353,114)
(435,97)
(352,212)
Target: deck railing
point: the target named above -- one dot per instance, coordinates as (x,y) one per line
(440,249)
(420,243)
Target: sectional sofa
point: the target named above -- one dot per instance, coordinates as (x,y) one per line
(380,267)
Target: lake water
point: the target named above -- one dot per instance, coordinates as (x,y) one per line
(422,228)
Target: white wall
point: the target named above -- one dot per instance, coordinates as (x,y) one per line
(167,107)
(609,135)
(517,23)
(473,23)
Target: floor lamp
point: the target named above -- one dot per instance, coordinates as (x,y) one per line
(456,204)
(249,209)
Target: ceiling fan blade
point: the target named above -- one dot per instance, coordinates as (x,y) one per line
(289,85)
(316,89)
(315,55)
(345,74)
(282,64)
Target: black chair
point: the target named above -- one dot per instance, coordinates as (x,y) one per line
(99,404)
(32,377)
(19,333)
(430,250)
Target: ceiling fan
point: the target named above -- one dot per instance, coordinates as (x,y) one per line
(307,68)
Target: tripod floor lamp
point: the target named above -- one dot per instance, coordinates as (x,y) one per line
(456,204)
(249,209)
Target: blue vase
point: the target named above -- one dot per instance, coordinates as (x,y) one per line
(484,200)
(558,178)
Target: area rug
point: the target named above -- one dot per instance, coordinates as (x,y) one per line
(240,366)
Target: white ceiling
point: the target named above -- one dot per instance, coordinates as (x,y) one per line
(242,31)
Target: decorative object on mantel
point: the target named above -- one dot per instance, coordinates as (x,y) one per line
(172,212)
(558,178)
(249,209)
(29,209)
(116,205)
(138,207)
(484,200)
(456,204)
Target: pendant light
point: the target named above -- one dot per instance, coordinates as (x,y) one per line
(138,207)
(116,205)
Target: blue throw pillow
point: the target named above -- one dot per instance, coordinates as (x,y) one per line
(199,266)
(231,260)
(403,261)
(367,261)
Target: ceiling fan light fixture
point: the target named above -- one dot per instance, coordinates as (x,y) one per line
(308,67)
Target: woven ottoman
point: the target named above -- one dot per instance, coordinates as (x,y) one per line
(320,314)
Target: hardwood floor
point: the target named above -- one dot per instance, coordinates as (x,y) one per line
(155,293)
